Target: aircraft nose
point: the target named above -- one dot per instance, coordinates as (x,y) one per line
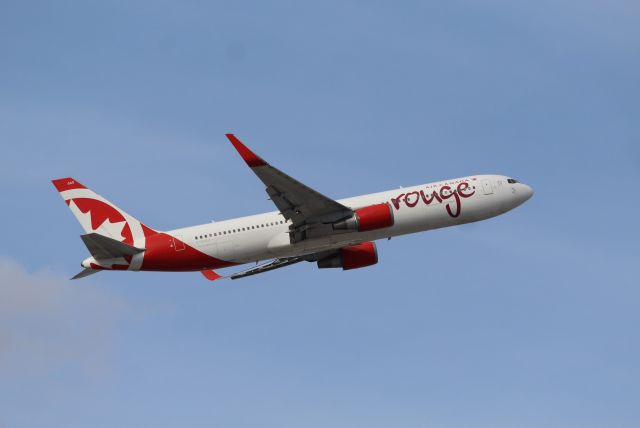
(525,192)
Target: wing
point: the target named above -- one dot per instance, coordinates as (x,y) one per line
(212,275)
(271,265)
(266,267)
(296,201)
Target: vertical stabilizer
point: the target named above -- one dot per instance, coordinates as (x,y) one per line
(98,216)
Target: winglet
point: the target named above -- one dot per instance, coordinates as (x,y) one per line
(249,157)
(211,275)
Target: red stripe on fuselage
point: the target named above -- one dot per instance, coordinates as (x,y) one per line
(160,255)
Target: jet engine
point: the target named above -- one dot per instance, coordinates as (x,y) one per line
(368,218)
(352,257)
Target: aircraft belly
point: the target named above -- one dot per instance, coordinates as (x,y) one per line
(258,247)
(280,246)
(226,250)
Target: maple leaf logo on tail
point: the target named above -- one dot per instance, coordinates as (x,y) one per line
(97,215)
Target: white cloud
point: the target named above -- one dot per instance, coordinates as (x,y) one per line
(48,323)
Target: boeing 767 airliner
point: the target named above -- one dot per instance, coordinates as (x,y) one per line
(306,226)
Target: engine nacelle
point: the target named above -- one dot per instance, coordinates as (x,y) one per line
(368,218)
(353,257)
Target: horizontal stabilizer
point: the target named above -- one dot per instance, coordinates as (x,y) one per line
(103,247)
(85,272)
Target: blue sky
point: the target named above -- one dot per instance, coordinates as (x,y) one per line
(529,319)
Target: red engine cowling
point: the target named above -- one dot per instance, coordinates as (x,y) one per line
(352,257)
(368,218)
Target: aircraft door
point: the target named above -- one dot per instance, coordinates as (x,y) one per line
(178,243)
(487,187)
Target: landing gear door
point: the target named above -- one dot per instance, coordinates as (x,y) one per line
(487,187)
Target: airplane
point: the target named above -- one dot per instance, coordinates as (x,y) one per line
(307,226)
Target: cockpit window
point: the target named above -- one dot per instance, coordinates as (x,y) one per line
(511,181)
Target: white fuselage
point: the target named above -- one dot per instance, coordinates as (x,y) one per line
(415,209)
